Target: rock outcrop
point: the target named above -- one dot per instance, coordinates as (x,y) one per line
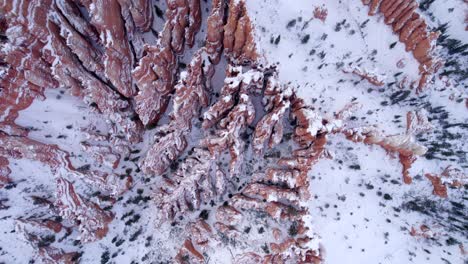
(155,72)
(232,113)
(404,145)
(239,42)
(196,181)
(91,220)
(451,176)
(412,31)
(190,97)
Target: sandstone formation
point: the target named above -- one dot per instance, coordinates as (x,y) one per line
(412,31)
(190,97)
(99,51)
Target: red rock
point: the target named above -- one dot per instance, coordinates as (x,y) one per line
(183,257)
(410,26)
(215,31)
(51,255)
(231,127)
(373,6)
(89,55)
(4,171)
(275,210)
(405,16)
(228,214)
(270,127)
(183,22)
(59,162)
(200,232)
(439,188)
(239,44)
(368,76)
(198,235)
(390,16)
(320,13)
(192,185)
(190,97)
(154,78)
(271,193)
(403,144)
(226,102)
(70,10)
(102,154)
(413,32)
(91,220)
(106,18)
(47,224)
(141,13)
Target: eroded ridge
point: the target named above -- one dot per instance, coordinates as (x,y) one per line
(155,73)
(413,31)
(99,51)
(191,95)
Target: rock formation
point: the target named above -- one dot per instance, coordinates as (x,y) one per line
(4,171)
(34,231)
(91,220)
(154,75)
(270,128)
(451,176)
(404,145)
(371,77)
(99,51)
(59,162)
(190,97)
(412,31)
(239,42)
(197,180)
(233,113)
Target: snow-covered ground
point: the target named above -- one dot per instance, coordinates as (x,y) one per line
(361,209)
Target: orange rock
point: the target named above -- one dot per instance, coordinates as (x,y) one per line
(439,188)
(239,44)
(320,13)
(91,220)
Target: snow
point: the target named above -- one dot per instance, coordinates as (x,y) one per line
(363,226)
(360,210)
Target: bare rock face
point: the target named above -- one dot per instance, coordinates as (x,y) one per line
(92,221)
(280,193)
(215,31)
(239,43)
(183,22)
(154,77)
(412,31)
(25,73)
(320,13)
(371,77)
(94,91)
(140,11)
(155,73)
(97,49)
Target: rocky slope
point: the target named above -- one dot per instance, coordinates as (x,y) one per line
(235,131)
